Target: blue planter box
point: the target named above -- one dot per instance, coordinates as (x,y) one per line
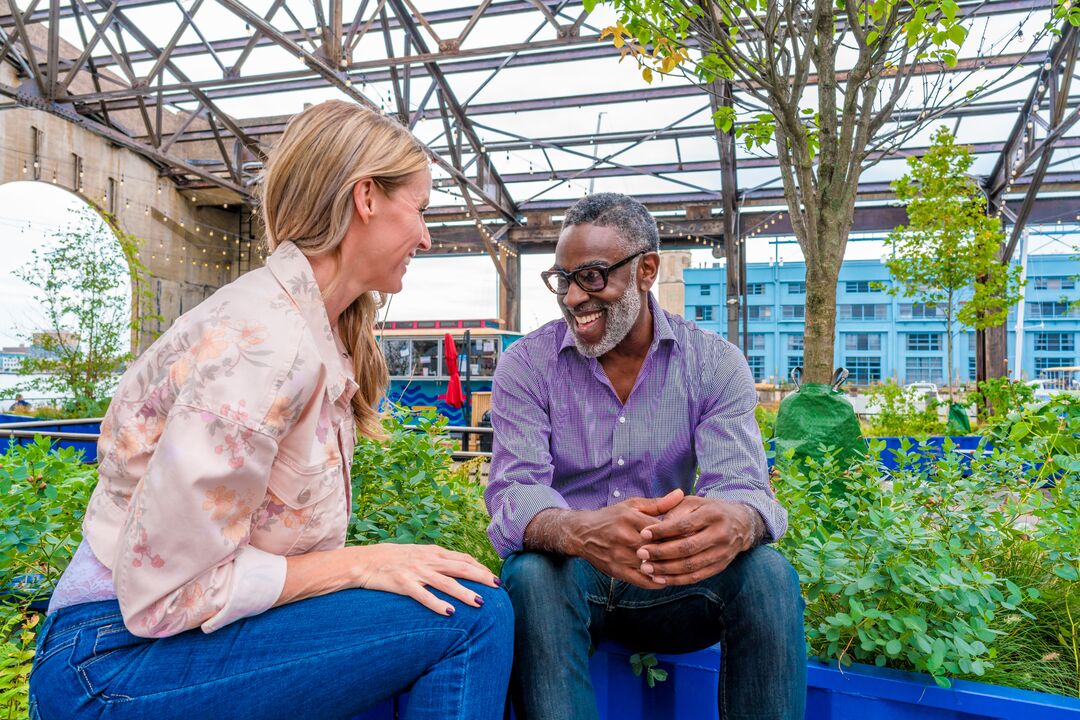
(861,692)
(931,449)
(88,447)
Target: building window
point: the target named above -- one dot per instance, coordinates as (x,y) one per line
(862,286)
(1055,341)
(1055,283)
(862,311)
(755,289)
(793,312)
(703,313)
(755,341)
(757,366)
(706,290)
(796,288)
(924,342)
(795,342)
(1038,310)
(864,370)
(1044,363)
(918,311)
(759,312)
(793,362)
(924,369)
(971,368)
(862,341)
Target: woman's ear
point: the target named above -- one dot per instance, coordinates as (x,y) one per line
(363,194)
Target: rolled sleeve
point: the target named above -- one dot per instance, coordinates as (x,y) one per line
(521,464)
(183,558)
(258,577)
(729,449)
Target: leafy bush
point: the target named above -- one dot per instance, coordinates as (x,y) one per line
(944,571)
(766,420)
(44,493)
(997,397)
(898,413)
(407,490)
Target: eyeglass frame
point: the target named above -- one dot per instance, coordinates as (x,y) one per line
(605,272)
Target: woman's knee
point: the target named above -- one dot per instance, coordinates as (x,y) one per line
(494,619)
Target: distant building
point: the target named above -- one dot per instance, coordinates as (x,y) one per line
(37,349)
(879,336)
(11,358)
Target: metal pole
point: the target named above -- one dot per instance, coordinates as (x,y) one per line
(1019,354)
(468,381)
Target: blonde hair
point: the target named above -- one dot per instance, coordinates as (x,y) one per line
(306,198)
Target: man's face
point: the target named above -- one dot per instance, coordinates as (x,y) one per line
(599,320)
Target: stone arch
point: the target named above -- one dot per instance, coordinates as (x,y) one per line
(185,262)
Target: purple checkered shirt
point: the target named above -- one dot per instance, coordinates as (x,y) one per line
(564,440)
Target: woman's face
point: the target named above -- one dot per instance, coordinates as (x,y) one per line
(387,231)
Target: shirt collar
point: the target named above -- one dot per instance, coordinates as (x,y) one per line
(293,272)
(661,328)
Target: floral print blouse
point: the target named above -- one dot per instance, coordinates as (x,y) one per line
(226,448)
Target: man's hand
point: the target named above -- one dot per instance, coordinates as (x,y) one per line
(696,540)
(609,537)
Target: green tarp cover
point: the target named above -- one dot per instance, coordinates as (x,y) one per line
(816,418)
(958,423)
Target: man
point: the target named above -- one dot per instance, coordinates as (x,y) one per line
(20,405)
(601,422)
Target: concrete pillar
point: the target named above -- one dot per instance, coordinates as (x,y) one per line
(671,290)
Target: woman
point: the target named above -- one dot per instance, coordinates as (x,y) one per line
(213,576)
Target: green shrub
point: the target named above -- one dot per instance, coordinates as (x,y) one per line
(898,414)
(407,490)
(44,493)
(941,571)
(766,420)
(995,398)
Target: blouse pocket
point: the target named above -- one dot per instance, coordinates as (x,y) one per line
(300,487)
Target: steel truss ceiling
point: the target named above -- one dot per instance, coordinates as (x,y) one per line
(170,79)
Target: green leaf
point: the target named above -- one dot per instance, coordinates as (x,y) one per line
(893,647)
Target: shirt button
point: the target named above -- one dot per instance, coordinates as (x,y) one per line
(621,461)
(622,419)
(616,493)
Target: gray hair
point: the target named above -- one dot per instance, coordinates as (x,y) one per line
(631,221)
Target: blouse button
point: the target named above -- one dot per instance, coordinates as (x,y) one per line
(303,496)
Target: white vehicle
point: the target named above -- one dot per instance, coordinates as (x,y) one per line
(923,391)
(1042,391)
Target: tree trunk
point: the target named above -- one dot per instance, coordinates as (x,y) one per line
(820,327)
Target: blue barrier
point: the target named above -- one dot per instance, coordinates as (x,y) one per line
(928,450)
(860,692)
(87,447)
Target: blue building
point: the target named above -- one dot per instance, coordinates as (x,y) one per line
(879,336)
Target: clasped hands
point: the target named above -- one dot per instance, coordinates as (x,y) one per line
(672,540)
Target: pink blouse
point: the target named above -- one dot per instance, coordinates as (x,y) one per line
(226,448)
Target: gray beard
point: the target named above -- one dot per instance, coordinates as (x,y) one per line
(620,318)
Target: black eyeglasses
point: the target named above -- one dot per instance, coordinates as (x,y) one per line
(591,278)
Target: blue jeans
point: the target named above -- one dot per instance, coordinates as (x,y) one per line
(327,657)
(564,606)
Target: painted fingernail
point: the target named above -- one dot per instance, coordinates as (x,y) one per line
(479,600)
(498,582)
(449,611)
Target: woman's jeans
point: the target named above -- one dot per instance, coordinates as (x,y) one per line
(563,606)
(327,657)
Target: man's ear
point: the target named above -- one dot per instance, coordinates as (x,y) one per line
(363,194)
(648,269)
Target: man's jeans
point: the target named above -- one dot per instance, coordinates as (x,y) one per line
(327,657)
(562,606)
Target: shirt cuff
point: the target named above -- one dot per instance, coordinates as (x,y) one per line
(774,516)
(258,579)
(520,504)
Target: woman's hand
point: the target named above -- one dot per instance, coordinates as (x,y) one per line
(411,569)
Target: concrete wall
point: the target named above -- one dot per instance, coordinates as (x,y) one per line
(185,263)
(671,289)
